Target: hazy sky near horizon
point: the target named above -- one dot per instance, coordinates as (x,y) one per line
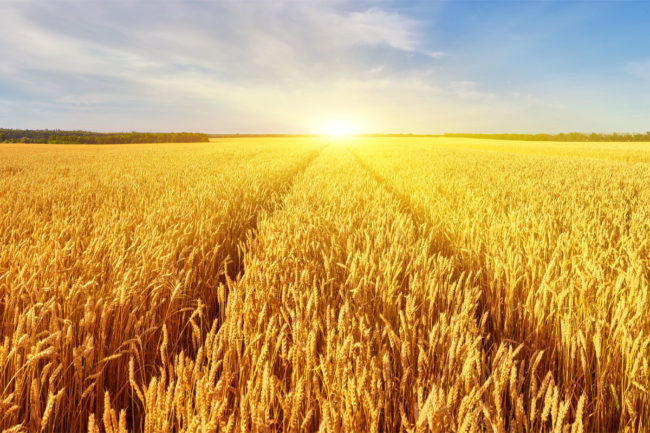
(296,66)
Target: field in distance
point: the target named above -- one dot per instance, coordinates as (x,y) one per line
(316,284)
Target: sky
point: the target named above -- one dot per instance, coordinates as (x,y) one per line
(290,66)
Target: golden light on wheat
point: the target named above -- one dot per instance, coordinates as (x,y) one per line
(286,284)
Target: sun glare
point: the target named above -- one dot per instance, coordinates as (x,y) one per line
(338,130)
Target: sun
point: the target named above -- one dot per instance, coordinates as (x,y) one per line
(339,129)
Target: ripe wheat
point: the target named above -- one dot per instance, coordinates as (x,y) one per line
(286,285)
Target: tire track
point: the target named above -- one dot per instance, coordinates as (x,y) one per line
(213,294)
(495,336)
(237,271)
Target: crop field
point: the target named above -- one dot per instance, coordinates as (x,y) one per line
(318,284)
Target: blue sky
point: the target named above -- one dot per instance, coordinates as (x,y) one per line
(297,66)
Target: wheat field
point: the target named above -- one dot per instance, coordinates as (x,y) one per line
(313,284)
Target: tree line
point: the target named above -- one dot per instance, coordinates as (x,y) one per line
(57,136)
(570,136)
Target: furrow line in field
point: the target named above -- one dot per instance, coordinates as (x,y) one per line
(235,269)
(462,266)
(234,266)
(489,308)
(418,214)
(129,270)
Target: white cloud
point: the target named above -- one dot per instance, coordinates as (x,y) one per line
(376,27)
(255,59)
(226,66)
(215,36)
(436,54)
(278,66)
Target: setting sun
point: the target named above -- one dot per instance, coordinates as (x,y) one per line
(339,129)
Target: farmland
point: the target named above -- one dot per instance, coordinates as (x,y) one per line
(306,284)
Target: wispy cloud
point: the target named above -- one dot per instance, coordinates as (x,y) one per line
(276,65)
(225,53)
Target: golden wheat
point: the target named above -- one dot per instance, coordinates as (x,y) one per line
(300,285)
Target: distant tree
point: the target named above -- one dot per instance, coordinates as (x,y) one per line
(572,136)
(85,137)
